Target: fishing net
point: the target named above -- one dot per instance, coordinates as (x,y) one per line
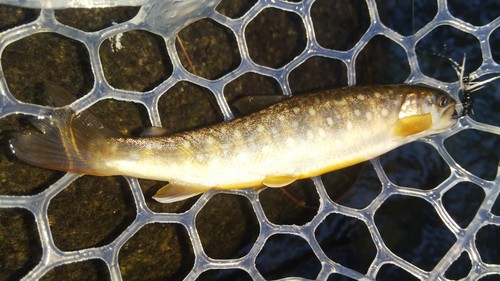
(426,211)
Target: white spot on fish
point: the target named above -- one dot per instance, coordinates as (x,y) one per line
(322,132)
(384,112)
(349,125)
(361,97)
(260,128)
(329,121)
(267,149)
(186,145)
(210,140)
(296,110)
(309,135)
(357,112)
(237,134)
(377,94)
(223,130)
(311,111)
(281,118)
(340,102)
(243,156)
(338,116)
(113,146)
(368,115)
(290,141)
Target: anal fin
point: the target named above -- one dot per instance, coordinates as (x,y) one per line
(279,181)
(174,192)
(411,125)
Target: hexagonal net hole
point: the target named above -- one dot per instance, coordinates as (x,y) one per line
(339,25)
(227,226)
(346,241)
(487,243)
(287,256)
(11,16)
(20,249)
(207,49)
(135,60)
(295,204)
(317,73)
(479,159)
(434,60)
(397,14)
(127,118)
(460,268)
(463,201)
(416,165)
(373,61)
(188,106)
(354,186)
(91,212)
(411,228)
(275,37)
(29,62)
(157,252)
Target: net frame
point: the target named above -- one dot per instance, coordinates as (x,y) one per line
(149,19)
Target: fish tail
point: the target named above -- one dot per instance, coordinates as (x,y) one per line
(64,141)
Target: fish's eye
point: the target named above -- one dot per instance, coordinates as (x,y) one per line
(442,101)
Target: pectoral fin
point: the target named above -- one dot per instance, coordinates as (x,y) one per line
(173,192)
(411,125)
(279,181)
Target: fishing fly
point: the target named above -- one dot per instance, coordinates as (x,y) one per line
(468,85)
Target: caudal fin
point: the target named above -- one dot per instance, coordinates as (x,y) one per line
(64,141)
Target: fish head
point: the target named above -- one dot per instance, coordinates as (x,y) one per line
(435,105)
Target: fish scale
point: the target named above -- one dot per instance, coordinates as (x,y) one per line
(303,136)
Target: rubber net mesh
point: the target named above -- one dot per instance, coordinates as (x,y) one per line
(426,211)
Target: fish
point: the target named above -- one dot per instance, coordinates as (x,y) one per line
(299,137)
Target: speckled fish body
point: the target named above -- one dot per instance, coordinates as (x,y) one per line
(301,137)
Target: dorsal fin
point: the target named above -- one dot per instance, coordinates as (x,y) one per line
(154,132)
(249,104)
